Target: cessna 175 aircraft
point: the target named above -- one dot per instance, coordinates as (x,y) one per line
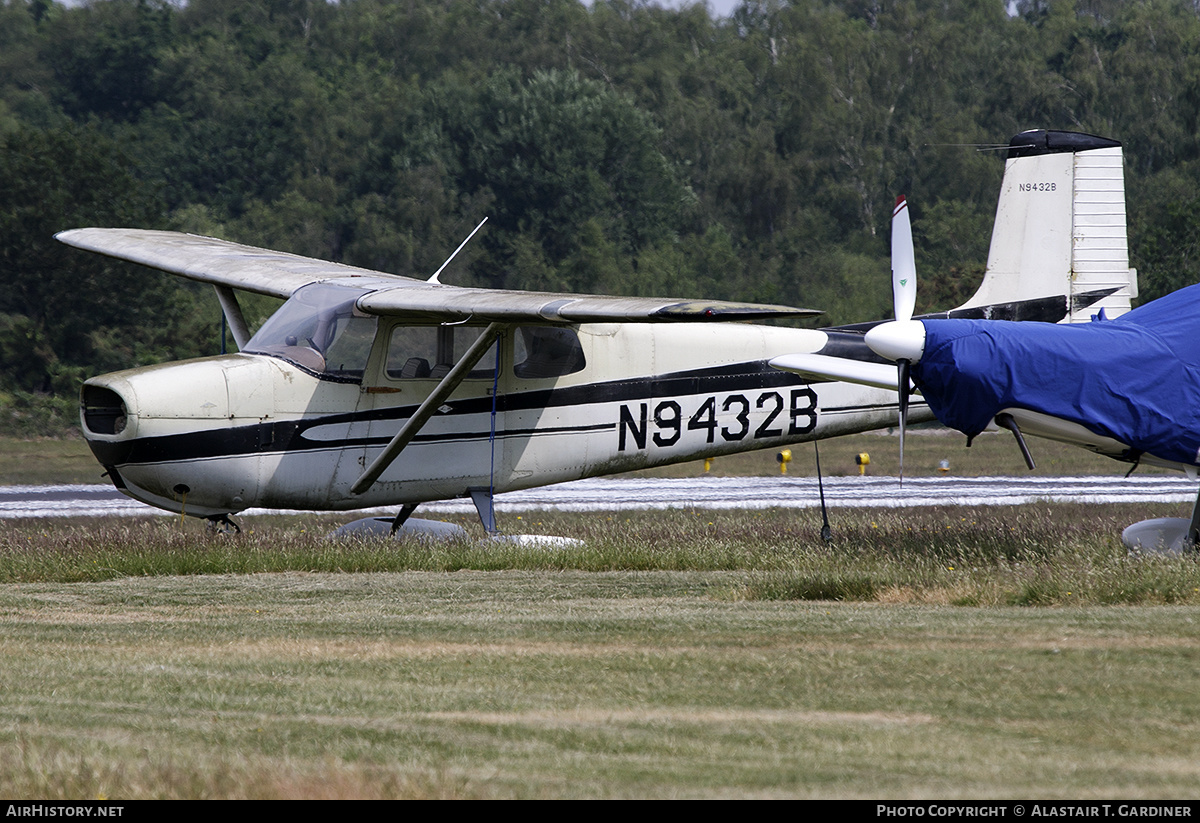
(1126,387)
(368,389)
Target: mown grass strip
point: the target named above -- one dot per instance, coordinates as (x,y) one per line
(580,684)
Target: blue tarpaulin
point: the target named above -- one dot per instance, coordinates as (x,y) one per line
(1135,379)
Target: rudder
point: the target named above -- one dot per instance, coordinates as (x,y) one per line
(1060,227)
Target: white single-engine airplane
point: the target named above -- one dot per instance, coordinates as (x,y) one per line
(368,389)
(1126,387)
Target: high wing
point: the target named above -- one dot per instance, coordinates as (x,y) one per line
(235,266)
(210,260)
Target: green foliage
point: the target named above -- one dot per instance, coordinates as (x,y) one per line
(617,147)
(65,312)
(26,356)
(26,414)
(856,285)
(105,56)
(568,164)
(1167,230)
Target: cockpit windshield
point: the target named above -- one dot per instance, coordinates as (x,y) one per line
(320,330)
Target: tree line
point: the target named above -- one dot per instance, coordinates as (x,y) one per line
(616,147)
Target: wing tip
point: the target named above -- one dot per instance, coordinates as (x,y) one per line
(70,236)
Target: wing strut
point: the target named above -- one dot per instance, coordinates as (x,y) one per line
(439,394)
(233,314)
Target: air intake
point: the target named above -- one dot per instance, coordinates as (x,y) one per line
(102,410)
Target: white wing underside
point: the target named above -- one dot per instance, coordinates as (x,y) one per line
(279,274)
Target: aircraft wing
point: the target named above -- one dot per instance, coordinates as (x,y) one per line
(279,274)
(450,302)
(210,260)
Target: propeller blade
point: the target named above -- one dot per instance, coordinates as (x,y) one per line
(902,367)
(904,266)
(904,337)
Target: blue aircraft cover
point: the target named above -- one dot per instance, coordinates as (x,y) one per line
(1135,379)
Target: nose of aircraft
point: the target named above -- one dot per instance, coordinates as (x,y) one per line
(153,429)
(103,411)
(146,402)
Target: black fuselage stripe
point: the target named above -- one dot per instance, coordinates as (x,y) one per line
(288,435)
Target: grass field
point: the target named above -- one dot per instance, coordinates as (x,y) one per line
(571,684)
(940,653)
(45,461)
(948,652)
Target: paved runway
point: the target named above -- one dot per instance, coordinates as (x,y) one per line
(606,494)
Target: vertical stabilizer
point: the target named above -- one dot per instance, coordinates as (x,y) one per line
(1060,226)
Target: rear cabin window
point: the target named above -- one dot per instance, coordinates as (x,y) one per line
(546,351)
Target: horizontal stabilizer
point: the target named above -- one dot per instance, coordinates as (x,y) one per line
(824,367)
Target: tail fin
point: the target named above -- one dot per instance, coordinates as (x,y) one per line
(1060,227)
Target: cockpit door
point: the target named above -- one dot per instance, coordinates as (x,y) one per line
(461,445)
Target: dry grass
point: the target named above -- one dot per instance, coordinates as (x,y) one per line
(579,684)
(950,652)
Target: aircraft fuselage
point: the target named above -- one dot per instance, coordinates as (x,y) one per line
(285,430)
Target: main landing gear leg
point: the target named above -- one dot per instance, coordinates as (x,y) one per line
(1192,540)
(403,516)
(221,524)
(482,498)
(1006,421)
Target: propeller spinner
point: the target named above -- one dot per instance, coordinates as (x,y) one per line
(903,339)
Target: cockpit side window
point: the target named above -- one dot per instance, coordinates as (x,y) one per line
(320,330)
(412,352)
(431,351)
